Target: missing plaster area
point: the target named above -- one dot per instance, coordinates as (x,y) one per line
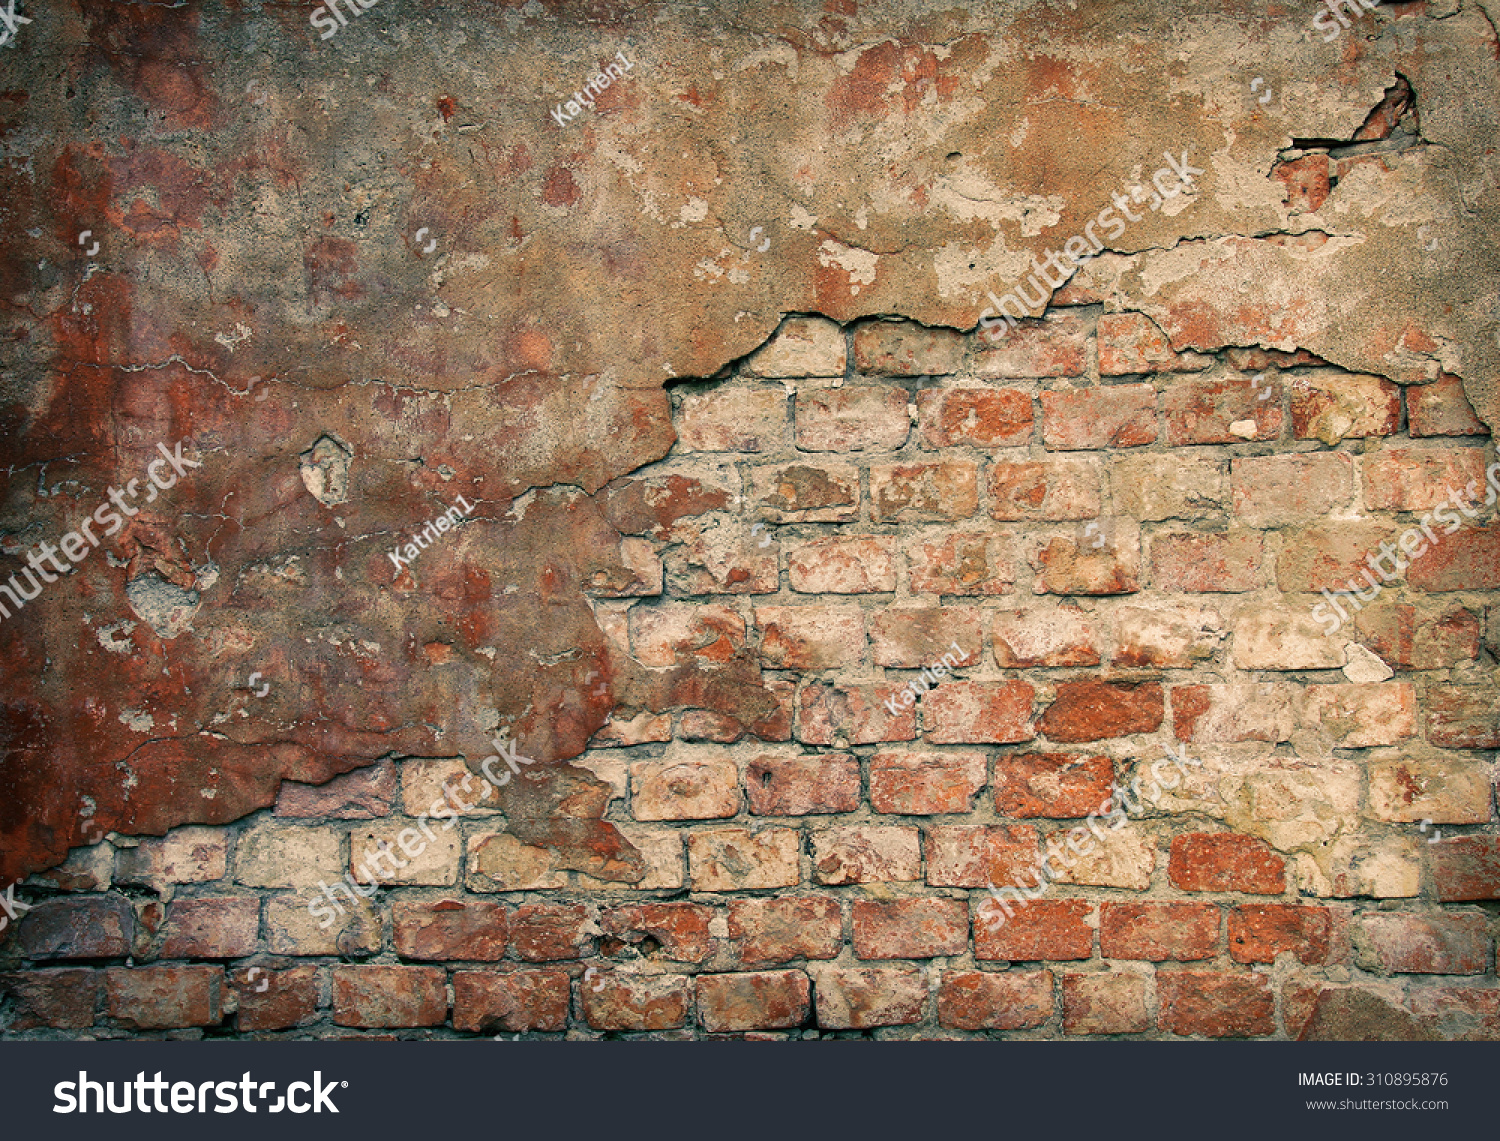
(1311,168)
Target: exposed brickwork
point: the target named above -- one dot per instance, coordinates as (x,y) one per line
(925,614)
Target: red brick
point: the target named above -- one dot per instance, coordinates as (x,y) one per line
(474,930)
(803,785)
(962,563)
(867,997)
(989,1000)
(636,1002)
(925,784)
(853,418)
(910,928)
(914,637)
(95,927)
(516,1001)
(1463,717)
(1131,343)
(1469,560)
(1224,861)
(211,928)
(1062,786)
(1098,710)
(1170,636)
(766,1000)
(732,420)
(1258,932)
(974,855)
(737,859)
(1256,712)
(1460,1014)
(803,346)
(1330,555)
(164,998)
(542,932)
(1442,408)
(652,506)
(1418,479)
(679,929)
(1044,490)
(1215,1005)
(1339,407)
(978,417)
(707,559)
(1424,944)
(1158,931)
(62,999)
(1361,716)
(842,565)
(363,794)
(1201,411)
(790,927)
(924,492)
(866,853)
(1055,929)
(684,788)
(275,999)
(390,997)
(679,633)
(905,348)
(978,712)
(811,637)
(1410,639)
(807,493)
(705,725)
(1305,180)
(184,855)
(1056,345)
(1104,1004)
(1202,563)
(1114,416)
(1076,565)
(1045,637)
(1290,488)
(857,712)
(1466,867)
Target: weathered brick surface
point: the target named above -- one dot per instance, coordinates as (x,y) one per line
(1158,931)
(389,997)
(1045,929)
(164,998)
(979,1000)
(1214,1005)
(864,998)
(515,1001)
(791,927)
(726,506)
(765,1000)
(1104,1004)
(925,784)
(1222,861)
(909,928)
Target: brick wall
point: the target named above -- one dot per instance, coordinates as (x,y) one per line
(1118,548)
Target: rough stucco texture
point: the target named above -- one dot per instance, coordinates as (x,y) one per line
(695,364)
